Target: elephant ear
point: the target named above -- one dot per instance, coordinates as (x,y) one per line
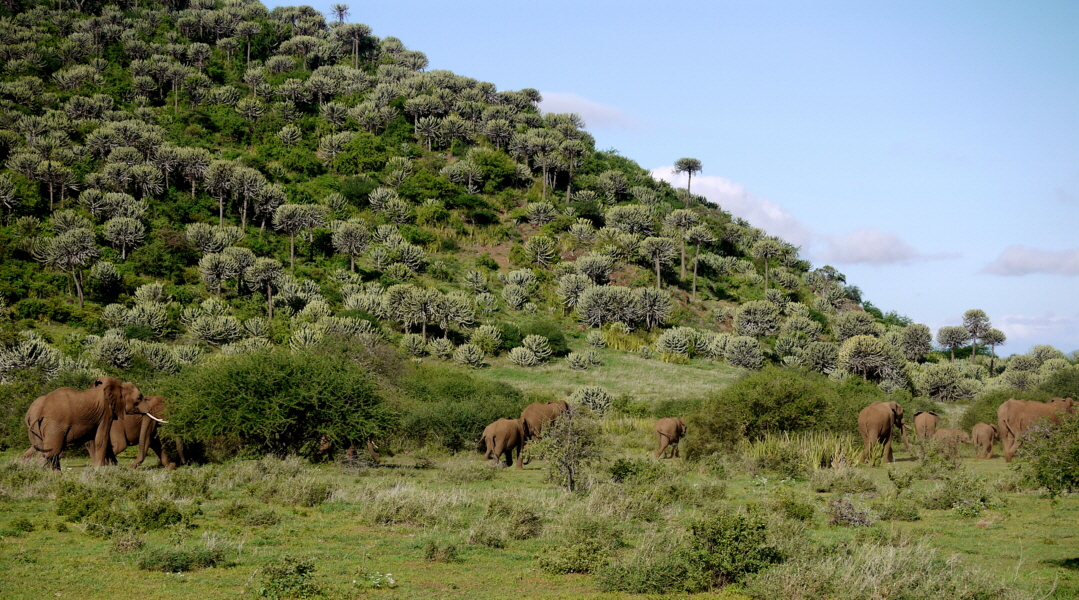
(112,397)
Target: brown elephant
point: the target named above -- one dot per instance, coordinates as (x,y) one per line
(535,416)
(876,422)
(141,430)
(984,434)
(1015,416)
(67,417)
(668,431)
(925,424)
(959,436)
(502,437)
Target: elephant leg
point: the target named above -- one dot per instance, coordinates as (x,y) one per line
(888,449)
(29,454)
(519,446)
(868,447)
(500,450)
(489,444)
(661,440)
(675,446)
(180,450)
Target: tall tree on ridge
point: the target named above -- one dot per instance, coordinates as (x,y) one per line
(689,166)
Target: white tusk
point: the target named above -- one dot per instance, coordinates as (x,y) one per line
(156,419)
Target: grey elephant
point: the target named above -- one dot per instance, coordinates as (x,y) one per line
(984,435)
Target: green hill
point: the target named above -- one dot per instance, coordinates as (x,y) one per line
(187,181)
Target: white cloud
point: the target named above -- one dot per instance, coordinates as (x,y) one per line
(1025,331)
(733,198)
(595,115)
(874,247)
(1024,260)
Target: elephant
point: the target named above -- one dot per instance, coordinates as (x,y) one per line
(984,434)
(925,424)
(875,423)
(141,430)
(502,437)
(1015,416)
(959,436)
(668,431)
(535,416)
(67,417)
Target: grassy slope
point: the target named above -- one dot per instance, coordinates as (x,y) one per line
(619,373)
(1031,544)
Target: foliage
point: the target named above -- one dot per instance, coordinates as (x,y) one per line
(776,400)
(570,444)
(1050,455)
(289,577)
(279,401)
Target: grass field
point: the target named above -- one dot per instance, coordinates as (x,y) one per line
(650,380)
(365,523)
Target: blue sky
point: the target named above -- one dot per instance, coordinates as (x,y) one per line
(928,150)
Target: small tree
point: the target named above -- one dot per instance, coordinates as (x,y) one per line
(681,220)
(698,236)
(953,337)
(571,442)
(1050,454)
(264,275)
(977,324)
(993,338)
(689,166)
(916,341)
(351,239)
(660,251)
(766,250)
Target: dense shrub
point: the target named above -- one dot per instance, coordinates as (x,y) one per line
(176,560)
(722,548)
(1063,383)
(289,577)
(279,402)
(846,480)
(1049,455)
(450,408)
(778,399)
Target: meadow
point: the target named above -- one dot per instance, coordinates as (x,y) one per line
(428,524)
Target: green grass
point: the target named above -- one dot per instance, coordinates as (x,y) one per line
(619,373)
(1030,543)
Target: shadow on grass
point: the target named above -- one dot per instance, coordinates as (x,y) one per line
(1071,564)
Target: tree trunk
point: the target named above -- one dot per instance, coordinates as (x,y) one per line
(974,349)
(689,195)
(269,299)
(657,274)
(249,54)
(78,285)
(683,275)
(352,262)
(243,215)
(220,211)
(696,258)
(292,251)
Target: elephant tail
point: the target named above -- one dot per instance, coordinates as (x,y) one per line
(37,440)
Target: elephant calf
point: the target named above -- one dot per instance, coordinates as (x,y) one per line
(668,431)
(984,434)
(502,437)
(952,435)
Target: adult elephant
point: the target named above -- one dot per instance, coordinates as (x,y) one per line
(536,416)
(1014,417)
(141,430)
(876,423)
(502,437)
(669,431)
(925,424)
(67,417)
(984,434)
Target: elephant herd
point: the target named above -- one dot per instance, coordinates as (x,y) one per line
(877,421)
(108,417)
(502,437)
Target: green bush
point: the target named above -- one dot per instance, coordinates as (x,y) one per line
(777,399)
(289,577)
(1049,455)
(1063,383)
(635,470)
(584,556)
(962,489)
(451,408)
(845,480)
(279,402)
(168,559)
(848,512)
(792,504)
(893,509)
(436,552)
